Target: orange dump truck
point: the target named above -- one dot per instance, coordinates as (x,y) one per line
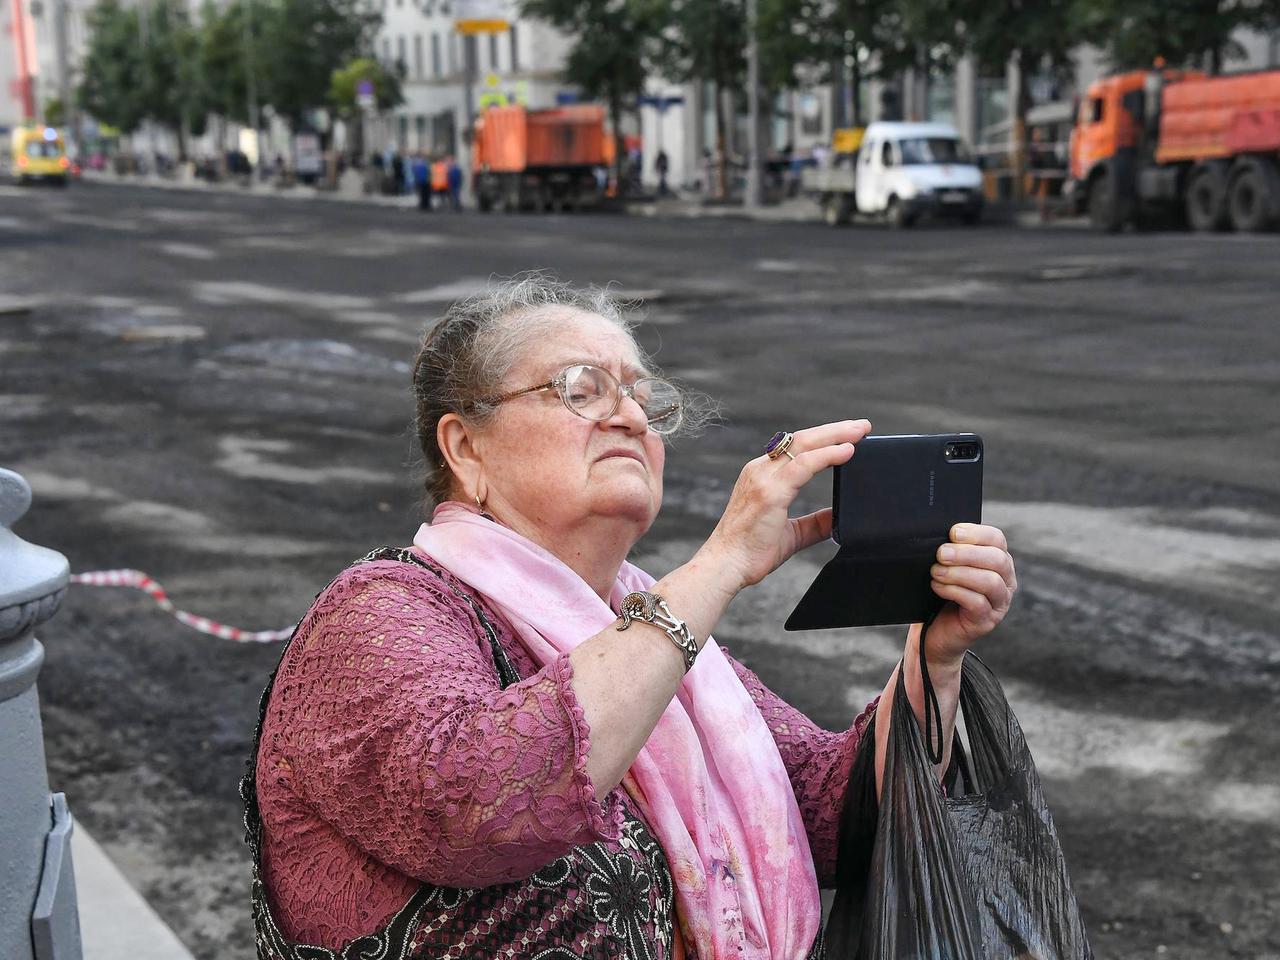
(1150,143)
(540,159)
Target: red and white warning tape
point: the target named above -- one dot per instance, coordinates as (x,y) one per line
(141,581)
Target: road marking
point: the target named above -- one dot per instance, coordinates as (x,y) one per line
(242,291)
(189,251)
(166,521)
(1219,551)
(963,290)
(445,292)
(244,457)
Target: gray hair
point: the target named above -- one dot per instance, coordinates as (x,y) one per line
(466,354)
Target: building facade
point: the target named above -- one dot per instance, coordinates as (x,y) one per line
(42,43)
(520,65)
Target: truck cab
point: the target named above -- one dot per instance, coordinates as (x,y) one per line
(907,170)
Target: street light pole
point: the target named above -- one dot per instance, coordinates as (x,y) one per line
(251,82)
(64,73)
(754,198)
(144,28)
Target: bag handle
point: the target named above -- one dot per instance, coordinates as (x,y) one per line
(932,712)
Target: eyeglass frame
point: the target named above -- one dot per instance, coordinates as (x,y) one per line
(560,381)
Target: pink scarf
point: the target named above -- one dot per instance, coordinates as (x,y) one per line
(709,781)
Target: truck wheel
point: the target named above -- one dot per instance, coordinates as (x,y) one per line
(1207,207)
(1104,206)
(837,208)
(896,215)
(1252,197)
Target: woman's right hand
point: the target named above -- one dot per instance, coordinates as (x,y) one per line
(755,535)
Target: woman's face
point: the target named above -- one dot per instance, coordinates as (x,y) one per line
(558,470)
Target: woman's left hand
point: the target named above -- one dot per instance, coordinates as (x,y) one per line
(975,572)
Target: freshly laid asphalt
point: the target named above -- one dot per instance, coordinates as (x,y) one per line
(214,389)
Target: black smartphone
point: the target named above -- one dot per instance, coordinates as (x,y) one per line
(893,504)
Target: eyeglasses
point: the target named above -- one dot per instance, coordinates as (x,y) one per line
(594,393)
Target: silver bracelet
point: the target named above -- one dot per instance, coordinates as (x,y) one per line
(651,608)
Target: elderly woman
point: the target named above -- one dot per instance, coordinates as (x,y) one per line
(506,741)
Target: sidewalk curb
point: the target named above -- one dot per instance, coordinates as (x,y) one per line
(792,211)
(301,194)
(116,923)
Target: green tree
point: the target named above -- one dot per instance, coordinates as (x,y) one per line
(851,41)
(609,60)
(55,115)
(176,97)
(705,41)
(344,87)
(799,42)
(113,88)
(309,40)
(231,42)
(1187,33)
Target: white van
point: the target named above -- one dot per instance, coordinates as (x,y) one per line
(903,171)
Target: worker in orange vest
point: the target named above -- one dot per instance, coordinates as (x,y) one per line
(440,179)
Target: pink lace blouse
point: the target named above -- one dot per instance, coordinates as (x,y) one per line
(391,756)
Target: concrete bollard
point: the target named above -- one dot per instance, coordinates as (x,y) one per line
(39,919)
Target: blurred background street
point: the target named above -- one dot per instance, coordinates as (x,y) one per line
(214,389)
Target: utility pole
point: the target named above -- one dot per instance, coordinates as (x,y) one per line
(64,72)
(144,32)
(755,180)
(470,54)
(251,82)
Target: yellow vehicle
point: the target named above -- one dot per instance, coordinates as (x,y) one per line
(39,154)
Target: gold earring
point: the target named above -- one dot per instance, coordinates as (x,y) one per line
(479,502)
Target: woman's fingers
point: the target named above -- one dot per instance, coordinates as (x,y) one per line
(979,533)
(829,434)
(812,528)
(974,607)
(988,583)
(811,463)
(986,558)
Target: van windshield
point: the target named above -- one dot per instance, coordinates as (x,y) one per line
(42,148)
(919,150)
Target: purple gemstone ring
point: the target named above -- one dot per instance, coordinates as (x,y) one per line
(779,445)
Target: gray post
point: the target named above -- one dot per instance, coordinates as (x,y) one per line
(755,175)
(38,914)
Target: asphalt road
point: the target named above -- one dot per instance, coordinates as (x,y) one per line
(214,389)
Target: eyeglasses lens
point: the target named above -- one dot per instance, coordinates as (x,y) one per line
(589,391)
(660,402)
(592,393)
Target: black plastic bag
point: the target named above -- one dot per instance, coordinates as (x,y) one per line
(977,874)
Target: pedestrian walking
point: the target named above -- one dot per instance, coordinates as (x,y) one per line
(453,182)
(662,164)
(440,180)
(422,181)
(397,173)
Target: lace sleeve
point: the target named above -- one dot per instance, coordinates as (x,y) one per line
(818,762)
(394,728)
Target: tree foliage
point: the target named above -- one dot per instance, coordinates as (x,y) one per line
(113,86)
(231,42)
(308,40)
(151,61)
(1186,33)
(345,82)
(173,90)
